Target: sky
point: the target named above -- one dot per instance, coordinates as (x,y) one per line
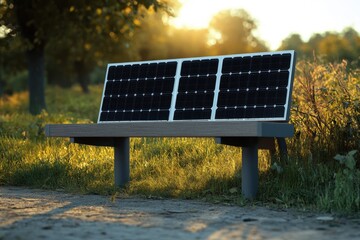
(277,19)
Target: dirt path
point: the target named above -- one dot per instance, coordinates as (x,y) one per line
(38,214)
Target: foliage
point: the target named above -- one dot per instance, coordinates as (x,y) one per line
(326,109)
(345,188)
(84,29)
(233,32)
(332,46)
(14,83)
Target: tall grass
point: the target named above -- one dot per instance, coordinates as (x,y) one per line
(326,109)
(197,167)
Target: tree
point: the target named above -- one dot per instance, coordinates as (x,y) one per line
(331,46)
(295,42)
(40,22)
(233,32)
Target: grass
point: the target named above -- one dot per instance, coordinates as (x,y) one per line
(168,167)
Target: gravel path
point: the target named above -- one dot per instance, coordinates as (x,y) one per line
(38,214)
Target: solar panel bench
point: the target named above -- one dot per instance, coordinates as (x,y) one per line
(241,100)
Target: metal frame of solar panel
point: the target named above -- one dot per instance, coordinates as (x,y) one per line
(246,87)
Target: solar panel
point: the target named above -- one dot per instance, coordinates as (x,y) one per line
(140,91)
(196,89)
(233,87)
(254,87)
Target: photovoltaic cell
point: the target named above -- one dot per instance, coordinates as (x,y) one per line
(232,87)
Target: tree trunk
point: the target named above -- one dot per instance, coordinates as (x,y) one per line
(36,69)
(83,76)
(25,12)
(2,85)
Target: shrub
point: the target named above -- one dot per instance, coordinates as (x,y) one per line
(326,109)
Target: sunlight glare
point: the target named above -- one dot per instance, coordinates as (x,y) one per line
(196,14)
(282,17)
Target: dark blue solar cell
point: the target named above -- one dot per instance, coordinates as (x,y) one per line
(103,116)
(152,70)
(161,68)
(208,66)
(281,62)
(275,63)
(237,65)
(256,63)
(252,97)
(199,67)
(250,112)
(202,83)
(264,79)
(213,66)
(285,61)
(126,72)
(110,116)
(227,65)
(185,68)
(111,73)
(157,115)
(192,114)
(254,81)
(105,104)
(108,88)
(170,70)
(265,63)
(133,86)
(143,70)
(190,68)
(279,79)
(134,74)
(167,85)
(245,65)
(199,100)
(222,113)
(119,72)
(141,115)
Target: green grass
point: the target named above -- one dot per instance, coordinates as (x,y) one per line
(160,167)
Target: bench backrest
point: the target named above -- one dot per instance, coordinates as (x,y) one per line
(244,87)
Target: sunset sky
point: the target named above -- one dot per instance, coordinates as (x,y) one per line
(277,19)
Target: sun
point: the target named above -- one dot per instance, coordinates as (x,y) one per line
(196,13)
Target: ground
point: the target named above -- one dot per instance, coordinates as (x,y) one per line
(38,214)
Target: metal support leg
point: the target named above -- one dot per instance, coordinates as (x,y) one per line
(250,174)
(121,161)
(282,149)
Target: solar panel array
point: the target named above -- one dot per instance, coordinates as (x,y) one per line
(243,87)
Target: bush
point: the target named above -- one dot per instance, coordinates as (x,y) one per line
(14,83)
(326,109)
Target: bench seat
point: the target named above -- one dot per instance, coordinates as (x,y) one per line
(172,129)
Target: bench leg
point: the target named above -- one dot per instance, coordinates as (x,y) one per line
(282,149)
(250,174)
(121,161)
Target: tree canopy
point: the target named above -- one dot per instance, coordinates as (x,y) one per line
(75,26)
(331,46)
(233,32)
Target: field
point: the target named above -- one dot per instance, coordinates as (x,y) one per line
(321,172)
